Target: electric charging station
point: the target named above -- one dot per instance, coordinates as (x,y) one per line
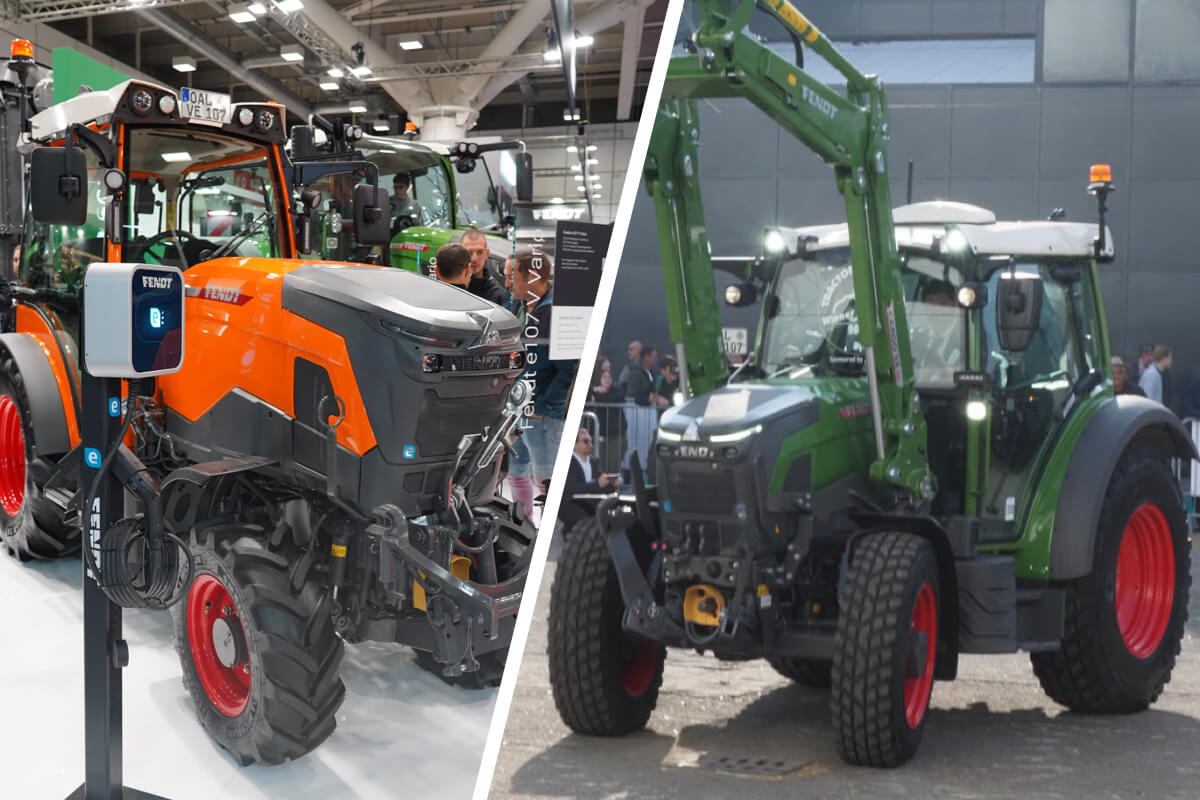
(132,328)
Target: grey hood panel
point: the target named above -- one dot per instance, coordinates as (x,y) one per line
(740,406)
(398,296)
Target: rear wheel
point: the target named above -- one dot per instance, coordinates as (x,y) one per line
(30,525)
(257,645)
(1125,620)
(884,650)
(605,681)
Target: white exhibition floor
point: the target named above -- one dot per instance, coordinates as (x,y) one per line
(401,732)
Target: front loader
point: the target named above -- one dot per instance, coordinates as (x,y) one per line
(924,456)
(322,468)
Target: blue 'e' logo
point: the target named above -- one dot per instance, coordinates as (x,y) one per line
(91,457)
(114,406)
(410,451)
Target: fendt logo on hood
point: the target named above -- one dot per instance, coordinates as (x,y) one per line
(558,213)
(156,282)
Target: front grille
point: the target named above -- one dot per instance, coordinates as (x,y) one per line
(444,421)
(697,492)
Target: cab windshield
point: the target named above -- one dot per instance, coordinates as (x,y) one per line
(196,195)
(811,324)
(417,183)
(477,203)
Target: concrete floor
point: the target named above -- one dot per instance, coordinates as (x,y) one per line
(401,732)
(991,733)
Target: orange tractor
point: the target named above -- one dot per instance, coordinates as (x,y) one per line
(324,466)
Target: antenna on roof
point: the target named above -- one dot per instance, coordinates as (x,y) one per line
(910,174)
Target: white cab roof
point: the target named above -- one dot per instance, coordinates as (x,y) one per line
(918,224)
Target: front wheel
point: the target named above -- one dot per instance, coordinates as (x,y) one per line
(1125,620)
(257,645)
(605,681)
(884,649)
(30,525)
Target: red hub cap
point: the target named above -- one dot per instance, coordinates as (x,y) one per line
(12,457)
(637,667)
(1145,584)
(922,632)
(218,644)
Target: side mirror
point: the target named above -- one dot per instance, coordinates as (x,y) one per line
(1018,310)
(464,165)
(524,176)
(58,196)
(370,215)
(741,293)
(143,198)
(310,199)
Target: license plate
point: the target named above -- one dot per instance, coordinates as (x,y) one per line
(199,105)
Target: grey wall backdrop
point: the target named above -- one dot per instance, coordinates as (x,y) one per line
(1020,150)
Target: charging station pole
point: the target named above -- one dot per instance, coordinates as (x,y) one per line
(104,650)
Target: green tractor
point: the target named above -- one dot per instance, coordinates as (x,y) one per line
(436,193)
(924,456)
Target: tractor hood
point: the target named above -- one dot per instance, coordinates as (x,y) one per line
(737,412)
(404,299)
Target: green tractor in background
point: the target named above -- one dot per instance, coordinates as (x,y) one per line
(923,457)
(436,193)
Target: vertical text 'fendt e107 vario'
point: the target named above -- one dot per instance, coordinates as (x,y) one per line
(923,458)
(324,466)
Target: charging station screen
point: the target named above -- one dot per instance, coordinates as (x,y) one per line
(157,320)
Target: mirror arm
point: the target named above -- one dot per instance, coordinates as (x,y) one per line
(100,144)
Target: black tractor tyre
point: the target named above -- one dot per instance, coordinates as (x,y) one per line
(804,671)
(884,649)
(257,645)
(605,681)
(1105,666)
(30,525)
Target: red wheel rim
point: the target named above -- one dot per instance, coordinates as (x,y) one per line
(227,685)
(1145,582)
(12,457)
(916,689)
(637,668)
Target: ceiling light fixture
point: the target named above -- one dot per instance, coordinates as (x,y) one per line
(336,72)
(361,71)
(583,41)
(289,6)
(330,86)
(183,63)
(411,44)
(358,108)
(257,9)
(291,52)
(240,13)
(171,158)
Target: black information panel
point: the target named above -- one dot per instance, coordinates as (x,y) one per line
(157,324)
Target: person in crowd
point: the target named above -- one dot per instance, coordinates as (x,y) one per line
(1153,380)
(528,277)
(666,382)
(602,380)
(641,415)
(584,476)
(484,282)
(1121,382)
(450,265)
(633,359)
(1145,359)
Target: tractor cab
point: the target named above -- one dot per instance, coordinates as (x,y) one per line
(150,179)
(1004,330)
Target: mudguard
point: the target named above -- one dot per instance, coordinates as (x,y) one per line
(1127,420)
(46,407)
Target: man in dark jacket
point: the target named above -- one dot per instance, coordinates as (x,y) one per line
(583,477)
(1121,382)
(484,283)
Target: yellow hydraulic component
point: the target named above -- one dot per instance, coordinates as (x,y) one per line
(460,567)
(702,605)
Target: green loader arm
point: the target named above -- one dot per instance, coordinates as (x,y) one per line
(849,133)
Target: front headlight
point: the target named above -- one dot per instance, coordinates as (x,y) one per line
(669,436)
(736,436)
